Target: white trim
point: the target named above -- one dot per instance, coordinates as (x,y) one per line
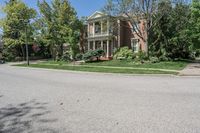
(108,48)
(97,12)
(137,45)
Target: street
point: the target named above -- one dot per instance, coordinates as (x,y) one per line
(51,101)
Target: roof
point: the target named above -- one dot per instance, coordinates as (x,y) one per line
(97,14)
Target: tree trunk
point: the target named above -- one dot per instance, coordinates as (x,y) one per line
(53,53)
(61,50)
(147,42)
(23,52)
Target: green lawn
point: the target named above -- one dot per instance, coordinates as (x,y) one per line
(169,65)
(116,66)
(176,65)
(97,69)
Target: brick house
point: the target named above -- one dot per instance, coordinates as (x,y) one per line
(110,33)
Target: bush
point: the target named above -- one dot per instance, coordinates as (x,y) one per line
(79,57)
(91,55)
(66,57)
(124,53)
(8,55)
(164,58)
(197,53)
(88,56)
(154,59)
(142,56)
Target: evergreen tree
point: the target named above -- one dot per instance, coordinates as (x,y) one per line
(170,36)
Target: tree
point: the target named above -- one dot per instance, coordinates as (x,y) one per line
(137,11)
(58,21)
(195,24)
(170,36)
(18,15)
(140,11)
(160,32)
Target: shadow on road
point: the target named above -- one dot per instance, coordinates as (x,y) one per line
(26,117)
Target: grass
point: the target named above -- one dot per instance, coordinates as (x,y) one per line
(116,66)
(170,65)
(95,69)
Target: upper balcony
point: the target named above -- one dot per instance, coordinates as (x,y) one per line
(99,25)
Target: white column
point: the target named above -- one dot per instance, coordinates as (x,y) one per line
(88,29)
(119,32)
(107,48)
(94,44)
(93,28)
(101,44)
(88,45)
(112,47)
(101,27)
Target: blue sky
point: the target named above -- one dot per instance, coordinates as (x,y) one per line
(83,7)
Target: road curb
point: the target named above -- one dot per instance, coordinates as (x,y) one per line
(98,73)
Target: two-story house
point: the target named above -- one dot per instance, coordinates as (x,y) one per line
(110,33)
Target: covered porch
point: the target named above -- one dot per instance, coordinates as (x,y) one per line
(106,44)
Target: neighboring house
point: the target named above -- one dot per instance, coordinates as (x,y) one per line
(110,33)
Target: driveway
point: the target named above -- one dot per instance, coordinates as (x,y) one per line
(49,101)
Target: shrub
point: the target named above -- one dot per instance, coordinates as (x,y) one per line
(8,55)
(66,56)
(154,59)
(91,55)
(87,56)
(124,53)
(79,57)
(142,56)
(197,53)
(164,58)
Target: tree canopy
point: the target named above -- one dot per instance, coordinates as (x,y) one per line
(60,22)
(18,15)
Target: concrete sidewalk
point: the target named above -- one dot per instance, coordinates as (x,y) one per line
(193,69)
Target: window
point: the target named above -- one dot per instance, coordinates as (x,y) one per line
(104,26)
(97,28)
(90,29)
(135,45)
(111,27)
(136,27)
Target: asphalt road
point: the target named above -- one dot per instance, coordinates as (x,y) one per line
(49,101)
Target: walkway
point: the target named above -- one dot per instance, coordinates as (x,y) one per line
(193,69)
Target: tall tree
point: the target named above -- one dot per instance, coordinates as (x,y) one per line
(170,36)
(160,32)
(18,15)
(139,11)
(136,11)
(58,20)
(195,23)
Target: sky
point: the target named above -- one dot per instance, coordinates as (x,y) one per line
(83,7)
